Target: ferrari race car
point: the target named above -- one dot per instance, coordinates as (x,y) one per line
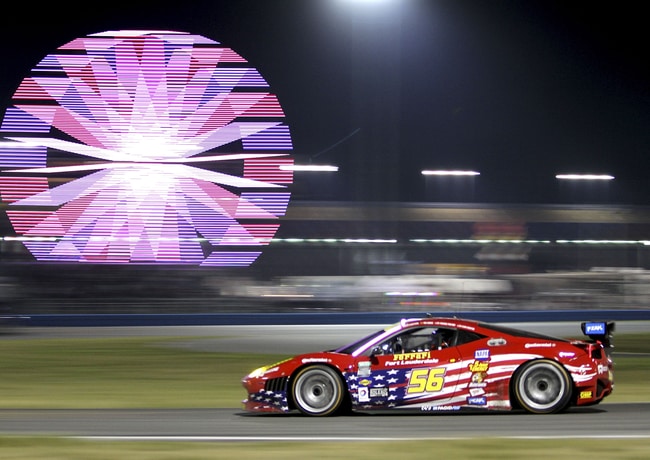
(441,364)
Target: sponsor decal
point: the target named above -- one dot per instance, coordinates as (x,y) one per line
(463,326)
(584,369)
(497,342)
(477,400)
(438,408)
(586,394)
(379,392)
(364,369)
(444,323)
(476,391)
(540,345)
(365,382)
(567,354)
(595,328)
(477,380)
(420,357)
(363,394)
(602,369)
(412,356)
(478,377)
(315,360)
(479,366)
(482,355)
(500,403)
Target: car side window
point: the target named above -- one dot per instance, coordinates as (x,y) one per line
(464,337)
(417,340)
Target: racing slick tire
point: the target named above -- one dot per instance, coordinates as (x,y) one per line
(318,391)
(542,387)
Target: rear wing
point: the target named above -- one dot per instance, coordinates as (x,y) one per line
(599,330)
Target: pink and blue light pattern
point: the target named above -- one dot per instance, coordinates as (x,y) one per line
(145,147)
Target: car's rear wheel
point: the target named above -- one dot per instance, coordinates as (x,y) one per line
(318,390)
(542,387)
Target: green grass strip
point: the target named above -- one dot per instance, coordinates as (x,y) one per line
(35,448)
(153,373)
(119,373)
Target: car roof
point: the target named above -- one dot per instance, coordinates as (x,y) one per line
(474,326)
(442,321)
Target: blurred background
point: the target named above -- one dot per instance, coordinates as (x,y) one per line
(342,256)
(483,155)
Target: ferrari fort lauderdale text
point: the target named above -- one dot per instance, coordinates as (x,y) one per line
(441,364)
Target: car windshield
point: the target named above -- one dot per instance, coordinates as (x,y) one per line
(348,349)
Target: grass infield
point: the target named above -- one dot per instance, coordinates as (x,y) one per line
(150,372)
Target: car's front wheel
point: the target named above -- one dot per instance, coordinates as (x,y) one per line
(542,387)
(318,390)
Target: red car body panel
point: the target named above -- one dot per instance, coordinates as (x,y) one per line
(476,371)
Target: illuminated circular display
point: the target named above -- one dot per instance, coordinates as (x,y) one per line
(145,147)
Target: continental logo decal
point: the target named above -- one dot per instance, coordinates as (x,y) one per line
(315,360)
(479,366)
(540,345)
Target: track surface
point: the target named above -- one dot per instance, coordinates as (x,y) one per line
(605,420)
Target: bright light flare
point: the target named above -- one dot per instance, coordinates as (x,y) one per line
(315,168)
(444,172)
(189,141)
(584,177)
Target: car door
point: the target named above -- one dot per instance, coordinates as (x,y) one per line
(409,370)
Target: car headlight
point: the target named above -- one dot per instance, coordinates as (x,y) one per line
(257,373)
(260,371)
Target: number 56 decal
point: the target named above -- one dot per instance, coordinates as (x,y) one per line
(426,380)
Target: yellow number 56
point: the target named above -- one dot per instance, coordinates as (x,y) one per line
(426,380)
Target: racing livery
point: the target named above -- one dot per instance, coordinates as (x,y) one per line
(441,364)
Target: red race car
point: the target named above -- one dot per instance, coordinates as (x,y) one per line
(441,364)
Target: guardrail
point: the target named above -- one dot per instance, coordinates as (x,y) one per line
(319,318)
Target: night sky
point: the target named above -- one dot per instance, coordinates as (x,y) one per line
(518,90)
